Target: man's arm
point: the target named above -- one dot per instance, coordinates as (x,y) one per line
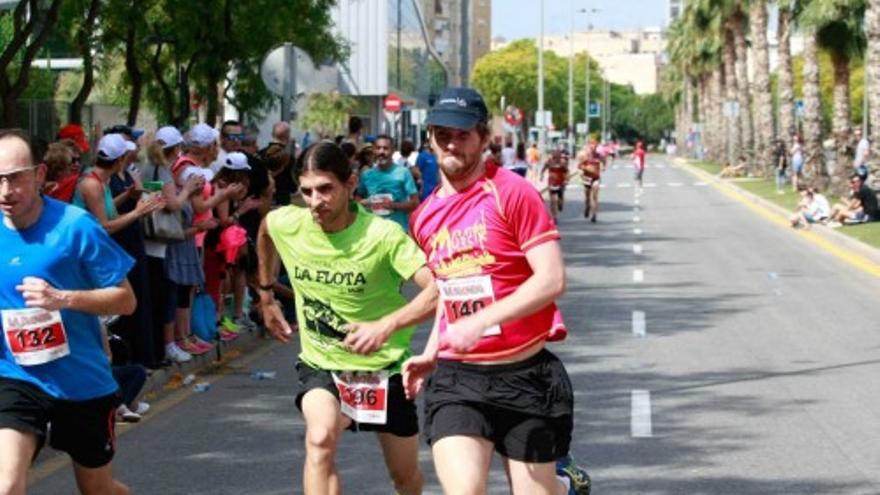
(543,287)
(267,272)
(38,293)
(368,337)
(407,206)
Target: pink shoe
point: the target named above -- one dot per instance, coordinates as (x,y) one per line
(191,347)
(226,336)
(207,346)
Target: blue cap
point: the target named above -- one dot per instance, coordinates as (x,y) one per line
(459,108)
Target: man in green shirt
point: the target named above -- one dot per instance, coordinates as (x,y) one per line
(346,267)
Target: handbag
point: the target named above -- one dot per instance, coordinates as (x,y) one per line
(163,225)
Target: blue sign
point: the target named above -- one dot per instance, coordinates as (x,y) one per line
(595,109)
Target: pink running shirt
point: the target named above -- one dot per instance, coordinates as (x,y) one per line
(475,242)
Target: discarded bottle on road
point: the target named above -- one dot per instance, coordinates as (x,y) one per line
(201,387)
(189,379)
(263,375)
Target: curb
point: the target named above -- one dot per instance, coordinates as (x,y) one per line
(827,233)
(159,382)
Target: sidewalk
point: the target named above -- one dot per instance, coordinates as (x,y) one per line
(861,254)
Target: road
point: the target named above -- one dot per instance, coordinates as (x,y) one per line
(712,352)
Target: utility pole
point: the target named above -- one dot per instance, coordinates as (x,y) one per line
(571,134)
(542,137)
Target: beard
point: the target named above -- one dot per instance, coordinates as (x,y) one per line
(459,167)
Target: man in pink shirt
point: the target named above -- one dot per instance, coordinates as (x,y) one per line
(495,255)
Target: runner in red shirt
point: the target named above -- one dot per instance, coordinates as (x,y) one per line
(557,166)
(639,164)
(495,255)
(591,166)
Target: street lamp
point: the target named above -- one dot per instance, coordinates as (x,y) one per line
(587,12)
(570,134)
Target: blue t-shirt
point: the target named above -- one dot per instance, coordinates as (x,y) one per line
(427,164)
(68,249)
(396,181)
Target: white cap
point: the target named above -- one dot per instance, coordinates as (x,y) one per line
(169,135)
(112,146)
(236,161)
(202,135)
(194,170)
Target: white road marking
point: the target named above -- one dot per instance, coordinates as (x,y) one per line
(700,184)
(637,249)
(638,276)
(637,219)
(640,414)
(639,326)
(674,184)
(659,165)
(637,231)
(650,184)
(624,184)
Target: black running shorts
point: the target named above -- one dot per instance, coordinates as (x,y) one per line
(402,420)
(525,409)
(83,429)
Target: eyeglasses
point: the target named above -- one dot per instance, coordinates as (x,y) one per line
(16,176)
(234,137)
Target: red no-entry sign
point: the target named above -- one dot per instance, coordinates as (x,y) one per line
(393,103)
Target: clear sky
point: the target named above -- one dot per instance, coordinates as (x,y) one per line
(515,19)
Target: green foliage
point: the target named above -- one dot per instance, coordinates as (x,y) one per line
(826,86)
(41,85)
(327,114)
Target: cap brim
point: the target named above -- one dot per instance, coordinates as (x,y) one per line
(130,146)
(82,144)
(455,120)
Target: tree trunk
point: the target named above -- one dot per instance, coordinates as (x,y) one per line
(762,92)
(840,122)
(747,138)
(732,124)
(786,78)
(719,140)
(134,72)
(703,112)
(84,43)
(815,157)
(872,66)
(22,49)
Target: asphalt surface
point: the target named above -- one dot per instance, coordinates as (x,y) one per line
(759,356)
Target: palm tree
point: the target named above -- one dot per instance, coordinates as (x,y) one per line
(812,135)
(838,28)
(786,77)
(872,69)
(762,94)
(738,25)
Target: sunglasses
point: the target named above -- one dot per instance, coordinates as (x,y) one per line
(18,175)
(234,137)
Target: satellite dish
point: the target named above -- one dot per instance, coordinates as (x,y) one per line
(288,71)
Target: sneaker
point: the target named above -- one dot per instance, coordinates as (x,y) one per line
(244,322)
(125,415)
(190,346)
(227,336)
(142,408)
(229,325)
(580,480)
(202,344)
(176,354)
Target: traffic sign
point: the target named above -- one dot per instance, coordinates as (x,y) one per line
(581,127)
(799,108)
(545,119)
(393,103)
(595,109)
(513,115)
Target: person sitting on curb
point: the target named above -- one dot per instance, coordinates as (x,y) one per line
(860,208)
(812,208)
(738,170)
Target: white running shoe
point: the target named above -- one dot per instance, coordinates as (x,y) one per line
(124,414)
(176,354)
(142,408)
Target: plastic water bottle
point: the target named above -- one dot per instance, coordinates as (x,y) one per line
(263,375)
(201,387)
(189,379)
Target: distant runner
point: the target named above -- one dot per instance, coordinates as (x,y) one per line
(590,164)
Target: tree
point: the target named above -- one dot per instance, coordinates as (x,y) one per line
(872,65)
(763,97)
(786,77)
(84,14)
(327,114)
(838,29)
(32,21)
(812,135)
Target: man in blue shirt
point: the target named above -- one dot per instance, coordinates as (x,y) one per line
(387,189)
(427,164)
(59,270)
